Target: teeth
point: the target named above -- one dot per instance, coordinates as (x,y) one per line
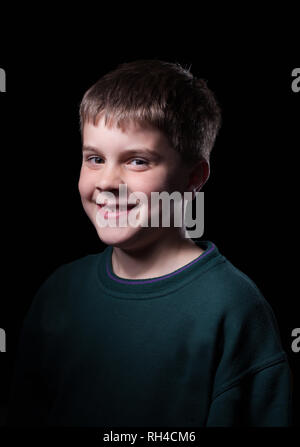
(117,207)
(100,201)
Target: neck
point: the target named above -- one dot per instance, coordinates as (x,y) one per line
(155,258)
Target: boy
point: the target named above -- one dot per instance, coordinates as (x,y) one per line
(157,330)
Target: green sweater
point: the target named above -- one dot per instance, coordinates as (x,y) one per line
(197,347)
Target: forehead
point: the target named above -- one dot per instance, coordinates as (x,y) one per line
(132,134)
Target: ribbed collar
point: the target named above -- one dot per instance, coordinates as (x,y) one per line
(157,286)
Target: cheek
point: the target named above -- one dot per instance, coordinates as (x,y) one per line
(152,183)
(85,185)
(146,187)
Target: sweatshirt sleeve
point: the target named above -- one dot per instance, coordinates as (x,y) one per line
(252,382)
(30,395)
(27,405)
(260,398)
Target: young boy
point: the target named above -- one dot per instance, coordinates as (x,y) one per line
(157,330)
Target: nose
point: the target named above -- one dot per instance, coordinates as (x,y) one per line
(109,178)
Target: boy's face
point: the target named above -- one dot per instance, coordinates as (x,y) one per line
(107,162)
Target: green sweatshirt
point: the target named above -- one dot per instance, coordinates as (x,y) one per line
(197,347)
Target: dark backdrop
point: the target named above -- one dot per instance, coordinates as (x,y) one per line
(250,198)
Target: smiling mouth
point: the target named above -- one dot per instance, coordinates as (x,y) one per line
(116,206)
(114,210)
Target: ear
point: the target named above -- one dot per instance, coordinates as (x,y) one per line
(198,176)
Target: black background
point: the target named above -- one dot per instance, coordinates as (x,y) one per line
(250,198)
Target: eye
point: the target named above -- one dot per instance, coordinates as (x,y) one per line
(93,159)
(141,162)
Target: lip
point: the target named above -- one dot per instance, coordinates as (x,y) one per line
(104,210)
(113,204)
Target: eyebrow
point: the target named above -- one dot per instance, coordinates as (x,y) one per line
(133,151)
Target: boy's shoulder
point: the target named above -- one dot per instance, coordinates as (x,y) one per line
(232,294)
(238,302)
(74,269)
(55,298)
(225,279)
(70,275)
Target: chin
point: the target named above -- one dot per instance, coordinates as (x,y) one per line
(126,236)
(118,237)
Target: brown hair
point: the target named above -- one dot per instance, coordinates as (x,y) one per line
(162,94)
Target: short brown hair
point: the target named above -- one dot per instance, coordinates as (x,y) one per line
(162,94)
